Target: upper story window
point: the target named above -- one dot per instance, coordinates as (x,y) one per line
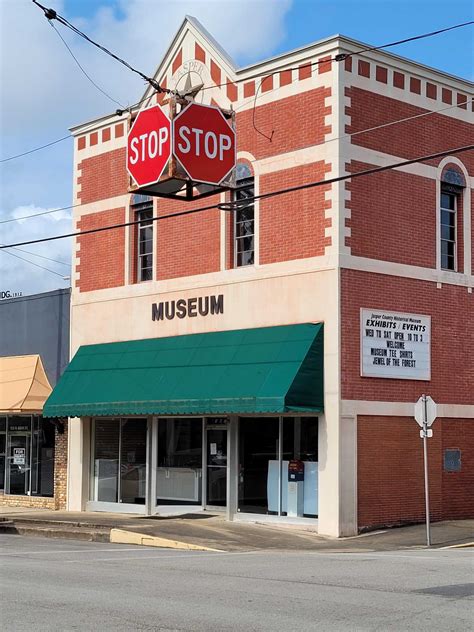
(452,183)
(448,230)
(143,213)
(244,219)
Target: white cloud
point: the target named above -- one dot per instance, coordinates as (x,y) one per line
(44,92)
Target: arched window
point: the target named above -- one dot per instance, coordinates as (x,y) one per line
(244,218)
(452,185)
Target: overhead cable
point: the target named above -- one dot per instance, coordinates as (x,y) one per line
(51,14)
(231,206)
(54,210)
(7,252)
(82,69)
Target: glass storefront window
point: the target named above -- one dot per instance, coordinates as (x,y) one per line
(42,457)
(179,466)
(300,443)
(3,447)
(27,445)
(258,457)
(120,461)
(264,485)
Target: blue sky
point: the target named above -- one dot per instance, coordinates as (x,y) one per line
(43,92)
(371,21)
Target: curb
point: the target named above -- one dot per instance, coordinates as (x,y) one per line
(120,536)
(459,546)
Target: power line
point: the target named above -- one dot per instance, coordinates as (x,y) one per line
(82,69)
(231,206)
(34,254)
(51,14)
(31,151)
(32,263)
(316,63)
(344,56)
(55,210)
(54,142)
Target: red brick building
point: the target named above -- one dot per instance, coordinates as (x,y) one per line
(384,261)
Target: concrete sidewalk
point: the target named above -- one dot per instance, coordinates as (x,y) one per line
(205,531)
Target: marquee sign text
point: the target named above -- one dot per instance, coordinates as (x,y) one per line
(395,345)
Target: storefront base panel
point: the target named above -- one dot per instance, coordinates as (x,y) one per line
(307,523)
(391,475)
(38,502)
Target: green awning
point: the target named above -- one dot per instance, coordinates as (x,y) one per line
(267,370)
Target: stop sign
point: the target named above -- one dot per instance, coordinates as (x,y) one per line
(149,145)
(204,143)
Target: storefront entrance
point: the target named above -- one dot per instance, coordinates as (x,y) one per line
(18,472)
(216,466)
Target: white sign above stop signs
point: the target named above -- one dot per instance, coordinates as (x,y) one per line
(431,411)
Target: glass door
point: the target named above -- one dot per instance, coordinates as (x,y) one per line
(18,471)
(216,469)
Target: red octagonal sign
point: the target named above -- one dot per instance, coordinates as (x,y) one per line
(204,143)
(149,145)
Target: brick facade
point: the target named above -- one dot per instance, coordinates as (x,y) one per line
(379,233)
(390,475)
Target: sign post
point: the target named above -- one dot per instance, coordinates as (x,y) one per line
(425,414)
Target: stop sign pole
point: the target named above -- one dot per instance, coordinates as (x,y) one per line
(425,414)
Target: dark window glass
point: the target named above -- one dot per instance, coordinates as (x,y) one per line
(180,443)
(244,225)
(144,214)
(448,230)
(106,459)
(3,445)
(42,457)
(133,461)
(258,464)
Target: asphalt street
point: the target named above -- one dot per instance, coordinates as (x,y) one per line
(71,585)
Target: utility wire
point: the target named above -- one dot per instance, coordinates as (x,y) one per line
(31,262)
(338,58)
(55,210)
(34,254)
(231,206)
(363,131)
(343,56)
(31,151)
(82,69)
(54,142)
(51,14)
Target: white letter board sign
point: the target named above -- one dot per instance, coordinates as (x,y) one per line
(395,345)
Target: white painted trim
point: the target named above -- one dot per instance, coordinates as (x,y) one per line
(407,271)
(106,204)
(231,276)
(404,95)
(351,407)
